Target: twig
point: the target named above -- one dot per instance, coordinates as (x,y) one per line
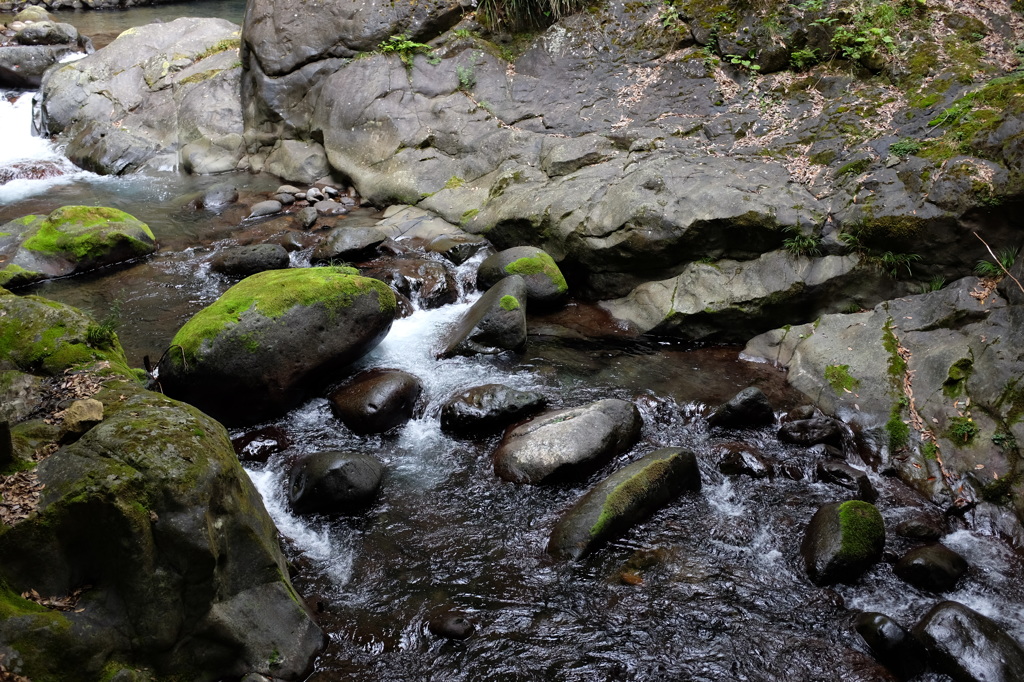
(999,262)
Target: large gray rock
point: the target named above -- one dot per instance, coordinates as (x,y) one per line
(334,482)
(47,33)
(295,161)
(376,400)
(495,323)
(625,498)
(348,244)
(156,95)
(274,337)
(557,442)
(23,66)
(242,261)
(969,647)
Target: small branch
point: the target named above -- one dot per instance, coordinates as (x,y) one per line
(999,263)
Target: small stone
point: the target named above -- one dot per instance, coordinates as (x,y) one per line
(933,567)
(259,445)
(307,216)
(329,208)
(288,189)
(82,415)
(314,195)
(809,432)
(285,198)
(265,208)
(452,625)
(331,191)
(839,473)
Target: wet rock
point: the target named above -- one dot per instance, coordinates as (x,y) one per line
(968,646)
(274,338)
(219,195)
(428,282)
(842,541)
(741,459)
(802,412)
(307,216)
(31,13)
(329,208)
(314,195)
(495,323)
(488,409)
(285,199)
(23,66)
(82,415)
(348,244)
(623,499)
(376,400)
(842,474)
(68,241)
(749,409)
(558,441)
(544,281)
(922,526)
(893,646)
(809,432)
(47,33)
(932,567)
(259,445)
(451,625)
(297,161)
(334,482)
(242,261)
(457,248)
(265,208)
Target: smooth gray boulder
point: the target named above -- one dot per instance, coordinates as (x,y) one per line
(348,244)
(623,499)
(933,567)
(842,540)
(334,482)
(488,409)
(495,323)
(47,33)
(968,646)
(376,400)
(273,338)
(545,284)
(558,442)
(296,161)
(242,261)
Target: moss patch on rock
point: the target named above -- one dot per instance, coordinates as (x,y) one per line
(509,303)
(87,232)
(541,263)
(862,529)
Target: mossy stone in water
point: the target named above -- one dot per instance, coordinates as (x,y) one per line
(842,541)
(544,281)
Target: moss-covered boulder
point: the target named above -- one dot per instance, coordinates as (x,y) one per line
(623,499)
(147,544)
(545,283)
(271,339)
(70,240)
(842,541)
(495,323)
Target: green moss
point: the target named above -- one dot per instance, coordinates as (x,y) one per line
(542,263)
(624,496)
(895,364)
(273,293)
(220,46)
(971,117)
(823,158)
(454,182)
(86,232)
(14,275)
(854,167)
(957,377)
(469,215)
(862,529)
(509,303)
(930,451)
(200,77)
(12,604)
(839,378)
(962,430)
(898,431)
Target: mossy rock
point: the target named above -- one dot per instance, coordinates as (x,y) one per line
(623,499)
(274,337)
(70,240)
(545,283)
(842,541)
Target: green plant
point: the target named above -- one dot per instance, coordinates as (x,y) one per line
(521,14)
(840,379)
(1004,440)
(463,33)
(930,450)
(744,62)
(962,430)
(802,244)
(812,5)
(803,58)
(893,262)
(905,147)
(103,334)
(467,79)
(936,283)
(987,268)
(405,48)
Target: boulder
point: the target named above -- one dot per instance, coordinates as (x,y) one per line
(559,441)
(82,415)
(457,248)
(242,261)
(376,400)
(273,338)
(968,646)
(23,66)
(749,409)
(814,431)
(334,482)
(69,241)
(297,161)
(218,196)
(487,409)
(842,474)
(894,647)
(262,209)
(429,283)
(544,281)
(623,499)
(842,540)
(259,445)
(47,33)
(933,567)
(351,244)
(742,459)
(921,526)
(495,323)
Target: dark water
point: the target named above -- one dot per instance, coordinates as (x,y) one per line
(710,588)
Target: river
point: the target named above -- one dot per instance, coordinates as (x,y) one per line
(710,588)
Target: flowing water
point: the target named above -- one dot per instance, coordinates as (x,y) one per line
(712,587)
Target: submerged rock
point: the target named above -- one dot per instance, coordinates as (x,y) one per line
(68,241)
(933,567)
(334,482)
(487,409)
(271,339)
(968,646)
(376,400)
(451,625)
(558,441)
(742,459)
(894,647)
(544,281)
(840,473)
(495,323)
(814,431)
(749,409)
(842,541)
(623,499)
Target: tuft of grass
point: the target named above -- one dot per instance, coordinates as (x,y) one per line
(514,15)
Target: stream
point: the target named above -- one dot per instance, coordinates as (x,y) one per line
(712,587)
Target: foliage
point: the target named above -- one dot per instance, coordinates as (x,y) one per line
(1006,258)
(936,283)
(804,58)
(743,62)
(520,14)
(893,262)
(1004,440)
(405,48)
(962,430)
(905,147)
(801,244)
(467,79)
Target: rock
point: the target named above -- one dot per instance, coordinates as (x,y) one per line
(157,95)
(742,459)
(69,241)
(47,33)
(314,195)
(922,527)
(285,199)
(968,646)
(840,473)
(842,541)
(808,432)
(430,283)
(329,208)
(544,281)
(334,483)
(273,338)
(487,409)
(559,441)
(82,415)
(457,248)
(242,261)
(219,195)
(31,13)
(351,244)
(495,323)
(892,645)
(24,66)
(376,400)
(307,216)
(6,445)
(265,208)
(297,161)
(933,567)
(451,625)
(749,409)
(259,445)
(20,393)
(623,499)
